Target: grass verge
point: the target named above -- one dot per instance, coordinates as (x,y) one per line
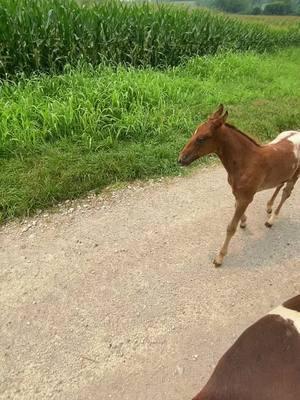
(278,21)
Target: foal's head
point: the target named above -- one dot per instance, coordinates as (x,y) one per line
(204,139)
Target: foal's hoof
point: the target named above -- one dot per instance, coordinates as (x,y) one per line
(243,226)
(217,262)
(268,225)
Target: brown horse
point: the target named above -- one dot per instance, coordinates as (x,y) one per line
(251,167)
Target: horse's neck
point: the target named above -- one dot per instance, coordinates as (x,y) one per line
(235,150)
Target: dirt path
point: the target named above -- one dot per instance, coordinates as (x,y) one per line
(119,300)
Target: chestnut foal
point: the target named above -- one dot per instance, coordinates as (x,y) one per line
(251,167)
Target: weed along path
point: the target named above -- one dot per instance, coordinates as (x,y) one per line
(116,297)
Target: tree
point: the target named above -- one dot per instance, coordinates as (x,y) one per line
(233,6)
(256,10)
(278,8)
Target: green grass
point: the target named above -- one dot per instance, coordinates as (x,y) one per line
(48,35)
(62,136)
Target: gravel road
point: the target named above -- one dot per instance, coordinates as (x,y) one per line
(116,297)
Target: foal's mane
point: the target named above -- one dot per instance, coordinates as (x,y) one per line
(242,133)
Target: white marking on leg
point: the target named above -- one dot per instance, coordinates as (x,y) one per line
(271,220)
(286,314)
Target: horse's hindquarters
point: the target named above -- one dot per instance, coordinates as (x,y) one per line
(281,164)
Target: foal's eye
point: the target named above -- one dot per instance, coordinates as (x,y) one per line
(200,140)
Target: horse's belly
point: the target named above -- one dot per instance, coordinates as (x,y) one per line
(274,180)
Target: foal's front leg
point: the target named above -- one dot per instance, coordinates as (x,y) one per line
(240,208)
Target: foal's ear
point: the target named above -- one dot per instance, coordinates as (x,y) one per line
(224,117)
(219,112)
(217,122)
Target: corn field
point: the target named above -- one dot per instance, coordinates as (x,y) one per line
(48,35)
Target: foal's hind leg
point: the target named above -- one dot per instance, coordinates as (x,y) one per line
(272,199)
(285,195)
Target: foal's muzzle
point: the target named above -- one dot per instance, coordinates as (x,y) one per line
(184,160)
(181,161)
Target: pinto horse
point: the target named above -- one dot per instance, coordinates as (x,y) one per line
(251,167)
(264,362)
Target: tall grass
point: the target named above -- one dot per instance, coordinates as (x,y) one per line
(48,35)
(61,136)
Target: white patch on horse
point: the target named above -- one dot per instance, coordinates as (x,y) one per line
(293,137)
(283,135)
(286,314)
